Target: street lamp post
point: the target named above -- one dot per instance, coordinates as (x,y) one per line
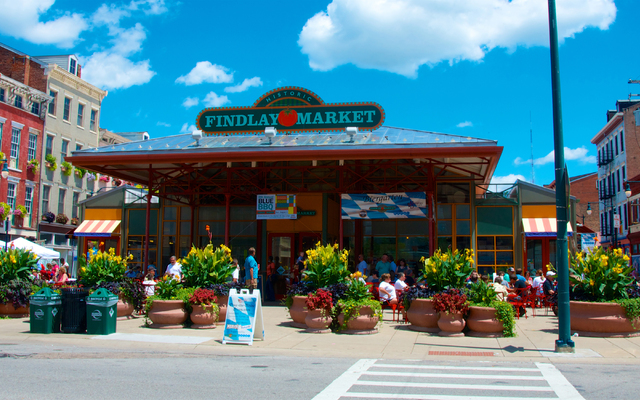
(588,213)
(5,175)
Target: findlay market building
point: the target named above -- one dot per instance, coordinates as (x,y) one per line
(373,190)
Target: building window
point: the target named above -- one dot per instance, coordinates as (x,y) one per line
(64,149)
(62,193)
(78,146)
(67,109)
(52,105)
(92,122)
(74,206)
(45,198)
(49,145)
(33,145)
(618,180)
(72,66)
(35,108)
(80,114)
(18,101)
(624,174)
(11,195)
(1,126)
(621,141)
(615,140)
(28,198)
(2,94)
(15,145)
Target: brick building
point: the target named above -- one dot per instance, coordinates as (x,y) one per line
(618,159)
(23,103)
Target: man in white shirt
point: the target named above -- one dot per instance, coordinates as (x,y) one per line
(236,272)
(400,285)
(362,265)
(173,269)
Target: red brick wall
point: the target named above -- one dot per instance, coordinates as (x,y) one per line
(29,121)
(15,66)
(585,190)
(632,142)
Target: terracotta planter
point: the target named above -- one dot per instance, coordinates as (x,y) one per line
(451,324)
(422,316)
(601,320)
(298,312)
(125,309)
(203,317)
(167,314)
(7,310)
(222,305)
(317,323)
(482,322)
(364,324)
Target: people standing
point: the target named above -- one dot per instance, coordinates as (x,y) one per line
(384,266)
(174,269)
(362,265)
(251,269)
(236,272)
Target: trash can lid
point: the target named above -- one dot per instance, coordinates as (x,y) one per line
(45,294)
(102,294)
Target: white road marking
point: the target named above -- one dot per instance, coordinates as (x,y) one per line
(457,386)
(563,388)
(443,367)
(458,376)
(436,397)
(343,383)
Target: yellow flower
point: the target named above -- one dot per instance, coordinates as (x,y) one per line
(83,269)
(625,257)
(586,270)
(617,270)
(591,282)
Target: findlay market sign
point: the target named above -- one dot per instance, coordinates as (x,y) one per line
(291,110)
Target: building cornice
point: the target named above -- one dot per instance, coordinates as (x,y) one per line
(611,124)
(68,78)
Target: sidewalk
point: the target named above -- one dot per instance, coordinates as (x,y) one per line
(535,342)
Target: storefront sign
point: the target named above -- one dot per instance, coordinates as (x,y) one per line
(384,205)
(290,110)
(306,213)
(276,206)
(588,241)
(244,318)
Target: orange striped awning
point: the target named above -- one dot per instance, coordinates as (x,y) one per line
(97,228)
(542,227)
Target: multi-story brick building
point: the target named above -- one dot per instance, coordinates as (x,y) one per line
(618,159)
(23,103)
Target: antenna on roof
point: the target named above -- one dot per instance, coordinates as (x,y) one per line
(533,176)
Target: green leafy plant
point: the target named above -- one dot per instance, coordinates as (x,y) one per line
(631,309)
(80,172)
(102,267)
(355,298)
(62,219)
(481,294)
(15,292)
(208,266)
(167,287)
(326,265)
(602,275)
(452,301)
(66,168)
(447,270)
(5,210)
(17,264)
(51,162)
(177,293)
(131,290)
(505,313)
(33,165)
(22,211)
(320,300)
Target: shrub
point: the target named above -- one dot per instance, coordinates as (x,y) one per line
(448,270)
(17,264)
(601,275)
(451,301)
(326,265)
(208,266)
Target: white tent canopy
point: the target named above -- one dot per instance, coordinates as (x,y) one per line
(40,251)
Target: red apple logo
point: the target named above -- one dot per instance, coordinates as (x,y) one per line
(288,117)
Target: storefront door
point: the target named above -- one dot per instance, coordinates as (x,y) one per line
(281,247)
(540,252)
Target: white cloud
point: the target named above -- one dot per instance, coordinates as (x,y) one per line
(165,124)
(579,154)
(213,100)
(507,179)
(129,41)
(109,15)
(186,128)
(245,85)
(204,71)
(109,70)
(464,124)
(190,102)
(149,7)
(400,36)
(21,19)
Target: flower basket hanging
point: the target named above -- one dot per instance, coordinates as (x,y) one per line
(5,211)
(66,168)
(48,217)
(62,219)
(50,162)
(80,172)
(91,176)
(33,165)
(20,211)
(74,221)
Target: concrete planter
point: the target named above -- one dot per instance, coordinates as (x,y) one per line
(601,320)
(203,317)
(364,324)
(298,312)
(222,308)
(422,316)
(317,323)
(167,314)
(7,310)
(125,309)
(451,324)
(482,322)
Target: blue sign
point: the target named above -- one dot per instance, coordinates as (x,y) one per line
(244,312)
(588,241)
(384,205)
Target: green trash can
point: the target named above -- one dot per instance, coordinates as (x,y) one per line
(102,311)
(44,310)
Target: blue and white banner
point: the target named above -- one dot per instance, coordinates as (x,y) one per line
(384,205)
(587,241)
(244,318)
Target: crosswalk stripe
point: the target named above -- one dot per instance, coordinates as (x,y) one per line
(563,388)
(457,376)
(456,386)
(436,397)
(342,384)
(445,367)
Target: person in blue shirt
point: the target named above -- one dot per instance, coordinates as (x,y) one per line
(519,275)
(362,265)
(251,269)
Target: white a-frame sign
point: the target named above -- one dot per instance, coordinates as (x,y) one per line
(244,318)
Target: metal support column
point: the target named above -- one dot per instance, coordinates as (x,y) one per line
(227,218)
(341,225)
(146,228)
(325,218)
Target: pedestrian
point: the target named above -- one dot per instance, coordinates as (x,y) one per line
(236,272)
(362,265)
(384,266)
(251,269)
(174,269)
(386,290)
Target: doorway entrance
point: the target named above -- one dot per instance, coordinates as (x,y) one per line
(540,252)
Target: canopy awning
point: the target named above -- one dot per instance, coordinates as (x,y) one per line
(97,228)
(542,227)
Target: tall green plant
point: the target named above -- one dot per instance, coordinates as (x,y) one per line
(603,275)
(102,267)
(208,266)
(481,294)
(17,264)
(448,270)
(326,265)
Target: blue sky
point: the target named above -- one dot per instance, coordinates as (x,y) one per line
(475,68)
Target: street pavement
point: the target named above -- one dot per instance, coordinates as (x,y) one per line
(140,362)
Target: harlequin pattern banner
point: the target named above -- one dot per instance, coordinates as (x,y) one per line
(276,206)
(384,205)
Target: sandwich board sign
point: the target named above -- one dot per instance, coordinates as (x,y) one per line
(244,318)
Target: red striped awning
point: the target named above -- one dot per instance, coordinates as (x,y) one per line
(542,227)
(97,228)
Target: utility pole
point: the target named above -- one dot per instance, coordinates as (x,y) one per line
(564,344)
